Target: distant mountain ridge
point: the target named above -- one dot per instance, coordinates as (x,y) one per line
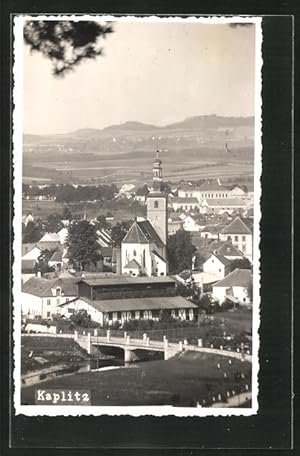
(134,127)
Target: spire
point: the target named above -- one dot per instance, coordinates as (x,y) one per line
(157,172)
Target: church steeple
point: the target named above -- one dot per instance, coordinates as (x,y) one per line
(157,202)
(157,172)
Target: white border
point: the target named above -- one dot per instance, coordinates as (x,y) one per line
(37,410)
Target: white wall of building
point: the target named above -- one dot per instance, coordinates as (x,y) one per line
(214,266)
(137,252)
(240,293)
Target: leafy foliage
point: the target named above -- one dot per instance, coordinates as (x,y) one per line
(180,251)
(243,263)
(32,232)
(83,249)
(119,231)
(54,223)
(42,262)
(66,43)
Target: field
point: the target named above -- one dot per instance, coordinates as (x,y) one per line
(135,166)
(181,381)
(43,208)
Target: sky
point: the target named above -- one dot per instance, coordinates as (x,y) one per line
(156,73)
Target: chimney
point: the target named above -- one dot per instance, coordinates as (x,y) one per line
(39,273)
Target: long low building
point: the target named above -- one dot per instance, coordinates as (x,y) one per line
(110,311)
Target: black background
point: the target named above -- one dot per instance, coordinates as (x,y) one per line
(272,427)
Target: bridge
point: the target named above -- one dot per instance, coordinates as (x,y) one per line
(90,343)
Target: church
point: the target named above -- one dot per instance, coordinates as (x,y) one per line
(144,248)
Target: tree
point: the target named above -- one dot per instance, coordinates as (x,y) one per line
(243,263)
(66,43)
(43,260)
(119,231)
(82,245)
(32,232)
(180,251)
(67,214)
(54,223)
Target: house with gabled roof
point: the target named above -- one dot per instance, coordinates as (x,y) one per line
(240,235)
(225,249)
(41,297)
(235,287)
(218,265)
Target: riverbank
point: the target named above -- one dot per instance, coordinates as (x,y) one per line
(185,380)
(40,353)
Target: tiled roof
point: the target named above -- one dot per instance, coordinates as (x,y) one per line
(106,251)
(237,226)
(135,235)
(132,264)
(185,200)
(212,186)
(150,232)
(42,287)
(237,278)
(122,305)
(225,202)
(57,256)
(159,256)
(222,259)
(125,280)
(213,229)
(28,265)
(224,248)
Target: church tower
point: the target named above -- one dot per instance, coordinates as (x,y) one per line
(157,203)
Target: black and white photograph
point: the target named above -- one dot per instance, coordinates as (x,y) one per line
(137,167)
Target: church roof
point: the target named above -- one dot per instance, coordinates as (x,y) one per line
(159,256)
(150,232)
(135,235)
(142,232)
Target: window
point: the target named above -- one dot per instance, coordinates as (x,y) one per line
(186,195)
(244,248)
(228,238)
(244,238)
(48,314)
(134,253)
(48,302)
(58,291)
(236,238)
(57,301)
(156,204)
(67,299)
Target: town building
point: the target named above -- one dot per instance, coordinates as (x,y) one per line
(235,287)
(117,299)
(41,297)
(217,265)
(240,235)
(225,249)
(146,240)
(188,204)
(174,223)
